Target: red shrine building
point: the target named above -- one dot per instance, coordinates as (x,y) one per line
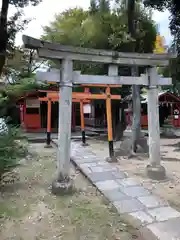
(33,113)
(169,110)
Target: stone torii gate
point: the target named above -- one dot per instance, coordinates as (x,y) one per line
(66,55)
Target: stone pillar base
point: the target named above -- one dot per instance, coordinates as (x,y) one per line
(63,187)
(47,146)
(85,144)
(156,172)
(111,159)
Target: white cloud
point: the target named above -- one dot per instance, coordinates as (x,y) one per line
(44,13)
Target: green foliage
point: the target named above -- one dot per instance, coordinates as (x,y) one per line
(173,70)
(102,28)
(9,27)
(17,22)
(11,151)
(12,92)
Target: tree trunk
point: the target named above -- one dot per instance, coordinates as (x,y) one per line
(3,33)
(136,125)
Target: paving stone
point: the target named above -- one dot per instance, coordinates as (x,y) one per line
(86,157)
(128,182)
(163,213)
(113,169)
(135,191)
(168,230)
(102,169)
(105,164)
(101,176)
(114,195)
(152,201)
(97,169)
(119,174)
(107,185)
(87,160)
(142,217)
(91,164)
(85,169)
(128,206)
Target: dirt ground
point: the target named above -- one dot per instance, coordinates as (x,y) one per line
(168,189)
(28,211)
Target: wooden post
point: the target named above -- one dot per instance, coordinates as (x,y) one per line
(112,72)
(109,122)
(48,140)
(82,124)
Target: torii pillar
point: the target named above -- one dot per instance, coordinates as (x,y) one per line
(154,170)
(63,183)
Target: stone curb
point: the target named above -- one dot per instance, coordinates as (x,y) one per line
(150,214)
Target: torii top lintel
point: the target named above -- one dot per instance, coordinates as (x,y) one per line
(57,51)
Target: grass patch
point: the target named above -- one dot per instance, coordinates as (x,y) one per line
(33,211)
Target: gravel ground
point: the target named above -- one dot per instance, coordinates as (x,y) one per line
(28,211)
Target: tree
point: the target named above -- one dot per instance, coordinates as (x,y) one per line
(9,28)
(174,8)
(21,63)
(101,28)
(104,30)
(93,7)
(20,78)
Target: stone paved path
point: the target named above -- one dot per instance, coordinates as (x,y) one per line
(151,214)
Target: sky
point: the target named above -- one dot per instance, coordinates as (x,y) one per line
(44,13)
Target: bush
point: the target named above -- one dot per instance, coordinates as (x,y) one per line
(11,150)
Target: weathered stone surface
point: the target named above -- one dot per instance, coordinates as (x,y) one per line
(163,213)
(168,230)
(107,185)
(101,176)
(114,195)
(156,173)
(102,168)
(135,191)
(152,201)
(112,159)
(103,164)
(125,148)
(87,160)
(128,182)
(47,146)
(142,218)
(111,168)
(119,174)
(87,165)
(97,169)
(128,206)
(86,170)
(61,188)
(151,214)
